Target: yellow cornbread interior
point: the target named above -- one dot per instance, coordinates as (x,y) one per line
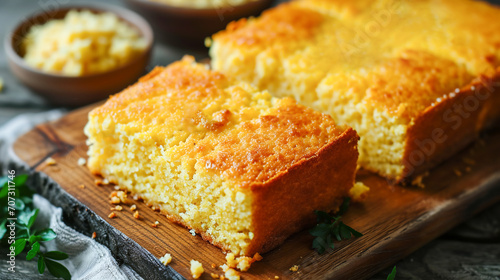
(374,65)
(192,141)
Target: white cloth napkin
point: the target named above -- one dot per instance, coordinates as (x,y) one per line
(88,259)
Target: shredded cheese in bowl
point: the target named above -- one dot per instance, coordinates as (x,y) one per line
(83,43)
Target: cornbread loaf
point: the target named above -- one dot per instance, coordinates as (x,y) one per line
(416,79)
(241,168)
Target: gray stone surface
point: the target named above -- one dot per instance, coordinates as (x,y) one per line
(470,251)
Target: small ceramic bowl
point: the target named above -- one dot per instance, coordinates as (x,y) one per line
(189,27)
(81,90)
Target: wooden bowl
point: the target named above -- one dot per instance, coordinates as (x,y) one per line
(81,90)
(188,27)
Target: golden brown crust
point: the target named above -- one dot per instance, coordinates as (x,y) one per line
(449,126)
(286,203)
(280,24)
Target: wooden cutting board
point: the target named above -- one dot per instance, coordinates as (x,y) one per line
(395,220)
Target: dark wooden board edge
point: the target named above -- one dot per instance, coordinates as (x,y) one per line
(82,219)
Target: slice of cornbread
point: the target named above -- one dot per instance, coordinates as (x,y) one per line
(416,79)
(241,168)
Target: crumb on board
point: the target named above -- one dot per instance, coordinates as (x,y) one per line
(214,275)
(241,263)
(196,269)
(115,200)
(294,268)
(213,265)
(94,235)
(457,172)
(100,182)
(232,274)
(359,192)
(50,161)
(166,259)
(155,224)
(136,214)
(117,188)
(112,215)
(81,186)
(82,161)
(117,208)
(276,277)
(193,232)
(133,207)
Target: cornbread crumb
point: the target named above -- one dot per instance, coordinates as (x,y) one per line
(276,277)
(224,267)
(193,232)
(359,191)
(257,257)
(82,186)
(115,200)
(99,182)
(94,235)
(230,260)
(50,161)
(82,161)
(196,269)
(213,265)
(294,268)
(117,208)
(417,181)
(112,215)
(242,263)
(122,196)
(232,274)
(166,259)
(136,214)
(116,188)
(214,276)
(457,172)
(133,207)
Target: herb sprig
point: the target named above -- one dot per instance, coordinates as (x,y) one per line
(330,228)
(392,276)
(27,238)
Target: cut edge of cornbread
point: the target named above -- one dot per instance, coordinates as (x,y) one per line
(243,217)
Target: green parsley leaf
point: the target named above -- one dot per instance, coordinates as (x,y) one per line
(3,229)
(330,228)
(46,234)
(56,255)
(4,191)
(26,217)
(20,180)
(57,269)
(392,276)
(33,252)
(32,218)
(41,264)
(345,205)
(34,238)
(19,245)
